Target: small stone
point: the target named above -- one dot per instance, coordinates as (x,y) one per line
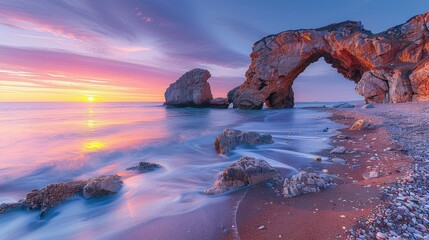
(338,150)
(381,235)
(339,161)
(371,175)
(359,125)
(342,137)
(262,227)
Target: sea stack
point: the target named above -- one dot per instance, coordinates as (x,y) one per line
(190,90)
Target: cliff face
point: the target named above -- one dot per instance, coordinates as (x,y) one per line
(391,66)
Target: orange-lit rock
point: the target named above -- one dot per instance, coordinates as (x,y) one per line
(391,64)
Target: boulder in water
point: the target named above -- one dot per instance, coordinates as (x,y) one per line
(245,171)
(56,193)
(145,167)
(231,138)
(190,90)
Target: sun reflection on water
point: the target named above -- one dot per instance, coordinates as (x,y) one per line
(93,146)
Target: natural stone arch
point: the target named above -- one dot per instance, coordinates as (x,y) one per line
(380,64)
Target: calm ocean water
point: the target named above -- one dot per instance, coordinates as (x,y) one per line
(42,143)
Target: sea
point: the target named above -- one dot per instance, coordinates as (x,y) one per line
(43,143)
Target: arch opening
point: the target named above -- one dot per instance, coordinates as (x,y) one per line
(320,82)
(346,73)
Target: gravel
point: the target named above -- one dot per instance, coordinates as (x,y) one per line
(404,211)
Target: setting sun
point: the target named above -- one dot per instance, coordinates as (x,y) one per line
(90,99)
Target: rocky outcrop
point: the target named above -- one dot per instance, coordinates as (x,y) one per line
(56,193)
(391,66)
(231,138)
(145,167)
(219,103)
(372,88)
(303,183)
(191,90)
(419,82)
(245,171)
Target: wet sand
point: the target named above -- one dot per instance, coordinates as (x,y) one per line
(328,214)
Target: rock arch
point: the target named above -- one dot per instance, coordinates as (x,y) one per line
(391,66)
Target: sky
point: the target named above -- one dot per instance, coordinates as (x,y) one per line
(70,50)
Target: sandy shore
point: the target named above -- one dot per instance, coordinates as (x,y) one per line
(400,131)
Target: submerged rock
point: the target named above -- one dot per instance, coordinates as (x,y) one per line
(145,167)
(56,193)
(303,183)
(190,90)
(219,103)
(231,138)
(360,125)
(343,105)
(5,207)
(243,172)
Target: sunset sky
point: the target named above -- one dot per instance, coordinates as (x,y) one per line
(132,50)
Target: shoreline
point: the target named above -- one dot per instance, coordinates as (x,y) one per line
(331,213)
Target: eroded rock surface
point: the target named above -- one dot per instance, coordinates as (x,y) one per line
(391,66)
(231,138)
(303,183)
(190,90)
(56,193)
(243,172)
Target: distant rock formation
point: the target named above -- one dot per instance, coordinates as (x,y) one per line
(391,66)
(190,90)
(219,103)
(56,193)
(245,171)
(231,138)
(343,105)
